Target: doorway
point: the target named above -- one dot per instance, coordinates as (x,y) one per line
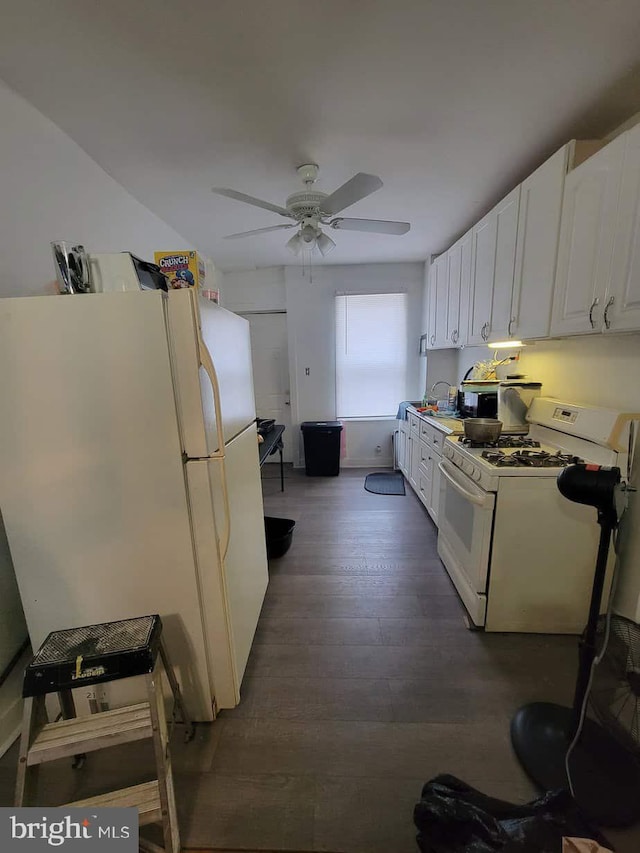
(270,358)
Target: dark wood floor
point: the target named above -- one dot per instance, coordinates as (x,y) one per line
(363,683)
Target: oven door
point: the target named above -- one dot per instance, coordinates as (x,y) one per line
(464,536)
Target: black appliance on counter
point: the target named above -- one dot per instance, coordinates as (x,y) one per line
(478,399)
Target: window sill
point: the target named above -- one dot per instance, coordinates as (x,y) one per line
(379,418)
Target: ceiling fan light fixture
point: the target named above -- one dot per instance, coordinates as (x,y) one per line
(325,244)
(308,233)
(295,244)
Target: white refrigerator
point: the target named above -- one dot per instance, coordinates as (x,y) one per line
(129,474)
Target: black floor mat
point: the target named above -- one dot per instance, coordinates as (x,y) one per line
(385,483)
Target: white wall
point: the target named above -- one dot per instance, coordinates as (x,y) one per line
(601,370)
(311,315)
(309,302)
(51,190)
(254,290)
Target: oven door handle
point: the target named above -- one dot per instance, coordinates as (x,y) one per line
(484,500)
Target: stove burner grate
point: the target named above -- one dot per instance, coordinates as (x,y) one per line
(526,458)
(506,441)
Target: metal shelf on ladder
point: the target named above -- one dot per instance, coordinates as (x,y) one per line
(96,654)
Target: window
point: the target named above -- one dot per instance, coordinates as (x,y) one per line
(371,354)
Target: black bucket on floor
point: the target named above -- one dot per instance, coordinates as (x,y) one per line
(279,533)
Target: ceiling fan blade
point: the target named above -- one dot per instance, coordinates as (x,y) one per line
(260,231)
(360,186)
(372,226)
(249,199)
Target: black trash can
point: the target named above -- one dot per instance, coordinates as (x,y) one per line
(278,533)
(321,448)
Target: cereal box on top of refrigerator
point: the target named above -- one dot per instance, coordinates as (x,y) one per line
(183,269)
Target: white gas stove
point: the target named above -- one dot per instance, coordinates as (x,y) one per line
(519,554)
(559,435)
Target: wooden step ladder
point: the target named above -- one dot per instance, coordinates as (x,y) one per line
(54,669)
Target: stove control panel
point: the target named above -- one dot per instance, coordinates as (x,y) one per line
(567,416)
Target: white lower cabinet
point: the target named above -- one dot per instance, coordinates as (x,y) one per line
(400,450)
(434,504)
(423,472)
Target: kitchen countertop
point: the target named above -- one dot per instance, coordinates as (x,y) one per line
(449,426)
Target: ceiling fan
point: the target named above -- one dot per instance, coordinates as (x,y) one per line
(311,208)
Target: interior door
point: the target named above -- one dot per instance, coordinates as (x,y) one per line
(270,357)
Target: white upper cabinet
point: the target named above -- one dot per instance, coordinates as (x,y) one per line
(451,331)
(465,247)
(437,303)
(441,281)
(622,306)
(459,281)
(483,265)
(493,254)
(506,214)
(587,236)
(429,320)
(449,296)
(537,247)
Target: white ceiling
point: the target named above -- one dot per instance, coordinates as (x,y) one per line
(451,102)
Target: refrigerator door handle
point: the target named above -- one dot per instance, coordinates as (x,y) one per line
(207,365)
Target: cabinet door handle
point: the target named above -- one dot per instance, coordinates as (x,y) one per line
(595,302)
(511,322)
(432,340)
(607,321)
(454,336)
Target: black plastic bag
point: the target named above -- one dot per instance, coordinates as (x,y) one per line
(453,817)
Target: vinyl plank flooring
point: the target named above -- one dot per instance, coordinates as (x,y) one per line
(435,665)
(296,698)
(318,631)
(478,701)
(362,684)
(428,584)
(273,812)
(423,631)
(342,605)
(372,815)
(368,749)
(368,566)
